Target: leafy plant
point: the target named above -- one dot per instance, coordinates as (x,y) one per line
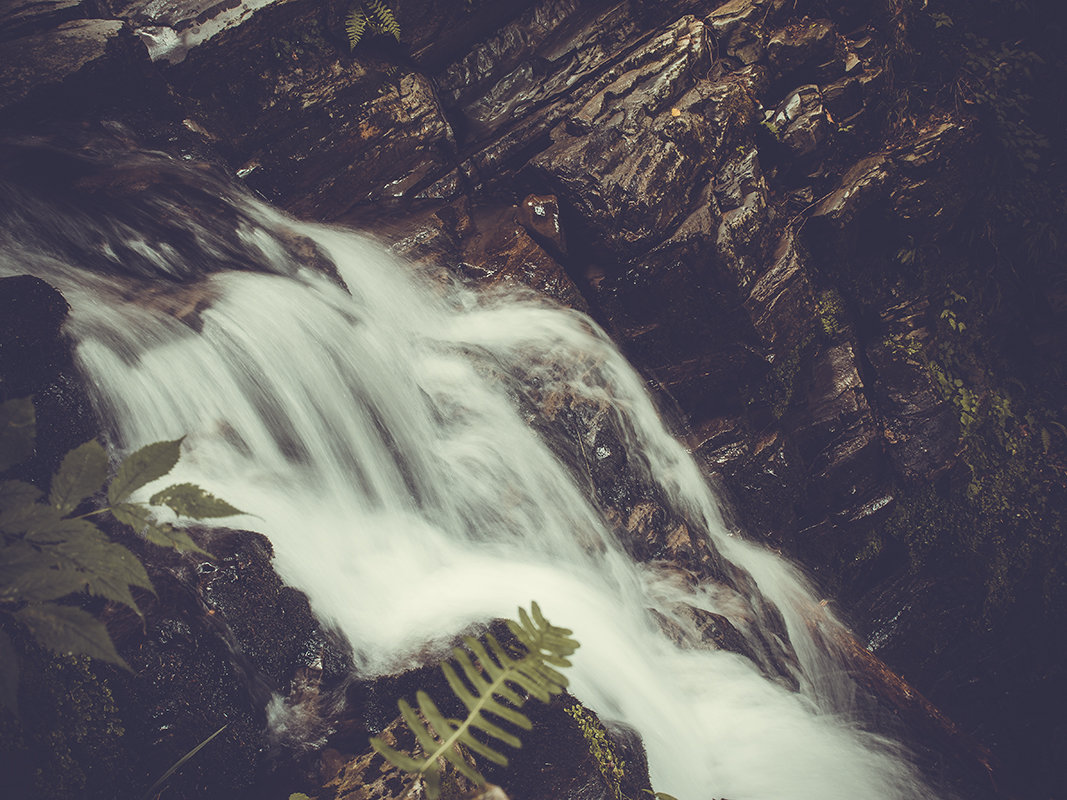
(373,14)
(611,766)
(48,553)
(494,683)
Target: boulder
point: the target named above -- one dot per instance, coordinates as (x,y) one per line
(27,17)
(921,429)
(79,66)
(800,122)
(800,46)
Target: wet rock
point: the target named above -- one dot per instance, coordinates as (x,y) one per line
(800,122)
(26,17)
(32,348)
(35,361)
(921,430)
(625,164)
(844,100)
(931,189)
(860,187)
(801,45)
(504,248)
(390,146)
(224,641)
(497,80)
(781,303)
(568,753)
(729,17)
(743,235)
(837,436)
(307,125)
(539,214)
(60,71)
(760,477)
(738,27)
(717,631)
(369,776)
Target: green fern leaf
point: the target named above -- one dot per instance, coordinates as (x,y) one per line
(492,683)
(355,25)
(383,19)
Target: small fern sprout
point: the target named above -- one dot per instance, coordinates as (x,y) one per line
(355,25)
(493,686)
(374,14)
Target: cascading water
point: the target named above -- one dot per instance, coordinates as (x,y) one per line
(380,432)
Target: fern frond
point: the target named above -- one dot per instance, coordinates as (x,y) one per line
(384,20)
(355,25)
(491,683)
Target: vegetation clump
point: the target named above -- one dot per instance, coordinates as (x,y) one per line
(612,768)
(494,682)
(51,556)
(374,15)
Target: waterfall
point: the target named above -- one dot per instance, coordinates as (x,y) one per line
(382,428)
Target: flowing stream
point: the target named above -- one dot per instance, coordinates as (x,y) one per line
(377,423)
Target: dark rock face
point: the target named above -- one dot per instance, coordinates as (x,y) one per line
(55,62)
(748,195)
(35,361)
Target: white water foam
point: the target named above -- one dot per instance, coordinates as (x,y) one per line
(403,490)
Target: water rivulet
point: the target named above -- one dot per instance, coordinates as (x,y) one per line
(393,436)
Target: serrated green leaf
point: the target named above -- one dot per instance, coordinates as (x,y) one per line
(108,568)
(163,534)
(114,589)
(82,473)
(189,500)
(136,516)
(17,558)
(14,494)
(43,583)
(46,530)
(18,430)
(166,535)
(9,673)
(67,630)
(151,462)
(29,517)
